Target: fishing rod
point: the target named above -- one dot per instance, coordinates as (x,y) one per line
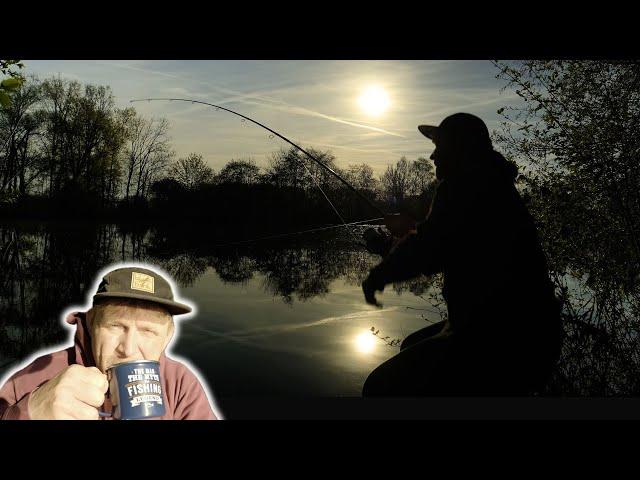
(326,167)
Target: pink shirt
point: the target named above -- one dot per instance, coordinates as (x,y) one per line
(185,399)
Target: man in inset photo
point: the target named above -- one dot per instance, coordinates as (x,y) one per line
(130,324)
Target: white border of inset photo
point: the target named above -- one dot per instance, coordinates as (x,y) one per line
(89,303)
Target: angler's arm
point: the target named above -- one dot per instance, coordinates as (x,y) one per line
(418,253)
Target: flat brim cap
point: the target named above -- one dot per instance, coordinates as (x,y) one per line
(139,284)
(428,131)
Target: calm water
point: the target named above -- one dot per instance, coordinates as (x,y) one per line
(274,319)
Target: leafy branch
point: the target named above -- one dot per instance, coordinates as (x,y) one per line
(392,342)
(12,82)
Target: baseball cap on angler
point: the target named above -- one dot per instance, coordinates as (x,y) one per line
(459,126)
(140,284)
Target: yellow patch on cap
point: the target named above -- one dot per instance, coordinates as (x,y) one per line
(142,281)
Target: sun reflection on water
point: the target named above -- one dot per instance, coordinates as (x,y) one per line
(365,342)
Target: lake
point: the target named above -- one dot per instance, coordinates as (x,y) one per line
(275,318)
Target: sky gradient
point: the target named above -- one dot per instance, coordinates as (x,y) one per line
(313,103)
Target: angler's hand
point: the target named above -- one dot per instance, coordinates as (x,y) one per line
(369,289)
(399,224)
(76,393)
(378,242)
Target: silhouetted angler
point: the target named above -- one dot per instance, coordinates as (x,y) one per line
(503,332)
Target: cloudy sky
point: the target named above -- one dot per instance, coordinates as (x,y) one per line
(316,103)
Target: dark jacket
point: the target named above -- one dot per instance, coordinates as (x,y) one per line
(480,235)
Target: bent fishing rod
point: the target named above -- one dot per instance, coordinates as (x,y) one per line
(326,167)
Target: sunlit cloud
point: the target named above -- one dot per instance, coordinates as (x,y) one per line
(253,98)
(128,66)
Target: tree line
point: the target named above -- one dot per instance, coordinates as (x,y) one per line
(66,148)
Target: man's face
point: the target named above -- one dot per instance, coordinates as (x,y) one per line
(443,157)
(122,333)
(438,157)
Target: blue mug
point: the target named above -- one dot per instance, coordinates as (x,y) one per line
(135,389)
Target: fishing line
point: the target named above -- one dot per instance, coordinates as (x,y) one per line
(296,233)
(328,200)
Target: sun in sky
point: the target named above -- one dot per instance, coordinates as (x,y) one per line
(374,100)
(365,342)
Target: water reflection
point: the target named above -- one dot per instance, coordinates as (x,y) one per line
(273,318)
(285,318)
(42,270)
(183,267)
(365,342)
(234,268)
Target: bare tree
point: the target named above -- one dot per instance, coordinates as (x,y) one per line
(57,110)
(81,133)
(361,177)
(285,168)
(191,172)
(396,181)
(292,168)
(244,172)
(147,154)
(422,176)
(18,127)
